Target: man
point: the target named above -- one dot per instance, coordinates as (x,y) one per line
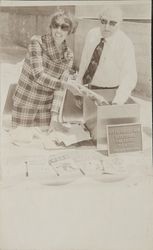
(107,64)
(114,66)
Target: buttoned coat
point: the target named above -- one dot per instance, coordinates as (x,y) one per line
(39,90)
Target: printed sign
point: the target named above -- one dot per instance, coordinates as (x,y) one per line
(123,138)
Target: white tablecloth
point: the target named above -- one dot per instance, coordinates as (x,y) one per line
(82,215)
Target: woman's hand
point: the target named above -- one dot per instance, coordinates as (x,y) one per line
(55,125)
(73,87)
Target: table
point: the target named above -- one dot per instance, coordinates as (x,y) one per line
(82,215)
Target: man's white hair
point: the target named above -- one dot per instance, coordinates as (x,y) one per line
(113,11)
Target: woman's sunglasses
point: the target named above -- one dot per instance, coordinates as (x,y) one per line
(111,22)
(63,26)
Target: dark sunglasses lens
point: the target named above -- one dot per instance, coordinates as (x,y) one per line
(55,25)
(103,21)
(113,23)
(65,27)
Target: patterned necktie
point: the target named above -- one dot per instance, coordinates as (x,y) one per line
(88,76)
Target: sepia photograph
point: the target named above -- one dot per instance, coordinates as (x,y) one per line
(76,125)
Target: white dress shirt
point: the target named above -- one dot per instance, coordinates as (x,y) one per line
(117,65)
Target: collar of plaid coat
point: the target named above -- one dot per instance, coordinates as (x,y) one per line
(50,48)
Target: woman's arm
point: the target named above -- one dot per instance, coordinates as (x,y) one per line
(59,94)
(35,54)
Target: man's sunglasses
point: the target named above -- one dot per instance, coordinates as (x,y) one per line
(111,22)
(63,26)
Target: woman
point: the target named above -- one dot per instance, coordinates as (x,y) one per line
(45,71)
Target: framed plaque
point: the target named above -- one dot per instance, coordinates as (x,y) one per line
(123,138)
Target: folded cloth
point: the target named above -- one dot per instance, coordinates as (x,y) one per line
(24,135)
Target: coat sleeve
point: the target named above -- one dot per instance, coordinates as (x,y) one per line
(35,54)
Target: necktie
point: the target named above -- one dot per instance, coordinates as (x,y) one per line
(88,76)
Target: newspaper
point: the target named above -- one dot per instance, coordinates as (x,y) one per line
(75,217)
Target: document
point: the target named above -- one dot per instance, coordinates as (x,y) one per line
(76,133)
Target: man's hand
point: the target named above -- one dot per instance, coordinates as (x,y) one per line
(98,100)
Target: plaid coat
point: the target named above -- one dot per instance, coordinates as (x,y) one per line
(39,90)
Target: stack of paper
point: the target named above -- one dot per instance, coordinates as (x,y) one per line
(76,133)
